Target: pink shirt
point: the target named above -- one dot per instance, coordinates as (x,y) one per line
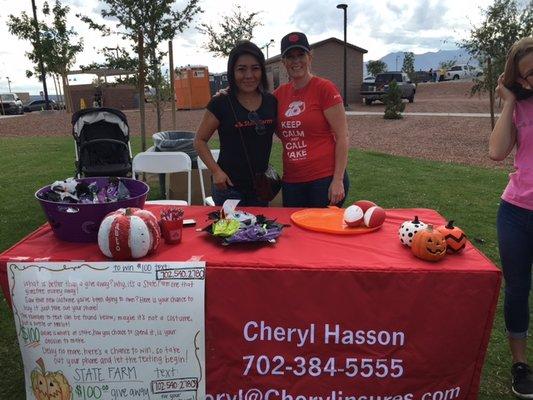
(519,190)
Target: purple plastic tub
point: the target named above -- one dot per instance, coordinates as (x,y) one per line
(80,222)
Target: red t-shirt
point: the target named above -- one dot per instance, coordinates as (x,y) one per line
(307,138)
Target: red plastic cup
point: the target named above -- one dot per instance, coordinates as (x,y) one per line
(171,230)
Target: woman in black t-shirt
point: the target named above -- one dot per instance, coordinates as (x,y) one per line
(245,119)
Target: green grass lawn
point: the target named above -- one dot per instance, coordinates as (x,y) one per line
(468,195)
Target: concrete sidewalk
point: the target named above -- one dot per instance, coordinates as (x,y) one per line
(426,114)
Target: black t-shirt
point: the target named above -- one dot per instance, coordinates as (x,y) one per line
(257,131)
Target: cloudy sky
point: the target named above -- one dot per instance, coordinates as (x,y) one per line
(380,26)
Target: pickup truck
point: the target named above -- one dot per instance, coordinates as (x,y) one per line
(10,104)
(377,90)
(462,71)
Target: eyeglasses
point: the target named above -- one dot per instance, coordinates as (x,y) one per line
(260,127)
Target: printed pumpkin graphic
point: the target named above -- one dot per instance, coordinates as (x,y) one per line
(49,385)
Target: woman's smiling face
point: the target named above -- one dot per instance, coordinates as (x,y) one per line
(247,73)
(297,62)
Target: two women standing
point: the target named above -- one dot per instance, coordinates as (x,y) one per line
(308,117)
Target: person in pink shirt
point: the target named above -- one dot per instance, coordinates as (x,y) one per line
(313,130)
(514,129)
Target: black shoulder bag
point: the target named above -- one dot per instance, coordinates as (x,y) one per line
(267,184)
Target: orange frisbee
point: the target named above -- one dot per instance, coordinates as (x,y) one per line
(328,220)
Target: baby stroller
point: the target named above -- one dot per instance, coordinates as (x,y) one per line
(102,140)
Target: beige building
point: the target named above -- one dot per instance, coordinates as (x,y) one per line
(328,62)
(122,97)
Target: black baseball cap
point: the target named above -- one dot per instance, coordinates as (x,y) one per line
(294,40)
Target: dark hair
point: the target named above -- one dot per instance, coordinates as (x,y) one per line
(241,48)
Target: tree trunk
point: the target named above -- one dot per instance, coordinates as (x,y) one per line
(61,91)
(157,81)
(491,91)
(140,50)
(68,99)
(55,86)
(171,73)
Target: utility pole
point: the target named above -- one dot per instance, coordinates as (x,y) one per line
(8,84)
(344,8)
(271,42)
(39,55)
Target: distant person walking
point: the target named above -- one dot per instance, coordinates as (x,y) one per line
(442,74)
(432,75)
(513,129)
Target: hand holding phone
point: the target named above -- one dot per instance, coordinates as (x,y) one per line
(504,92)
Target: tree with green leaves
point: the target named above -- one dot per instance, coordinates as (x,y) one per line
(146,24)
(505,22)
(116,58)
(376,67)
(232,28)
(447,64)
(56,44)
(394,105)
(409,64)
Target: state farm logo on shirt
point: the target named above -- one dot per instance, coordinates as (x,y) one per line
(295,108)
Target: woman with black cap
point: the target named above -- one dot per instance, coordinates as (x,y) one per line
(313,130)
(245,118)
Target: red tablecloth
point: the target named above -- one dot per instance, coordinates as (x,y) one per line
(362,297)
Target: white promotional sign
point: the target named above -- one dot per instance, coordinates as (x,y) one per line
(110,330)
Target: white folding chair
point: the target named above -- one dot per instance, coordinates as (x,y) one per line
(164,162)
(208,201)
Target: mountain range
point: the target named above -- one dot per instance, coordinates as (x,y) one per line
(428,60)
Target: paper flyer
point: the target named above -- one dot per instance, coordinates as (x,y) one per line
(110,330)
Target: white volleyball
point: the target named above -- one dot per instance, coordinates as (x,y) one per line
(353,216)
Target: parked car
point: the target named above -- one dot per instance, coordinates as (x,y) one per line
(10,104)
(377,90)
(38,105)
(369,79)
(462,71)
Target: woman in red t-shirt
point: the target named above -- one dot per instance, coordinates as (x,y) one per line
(313,130)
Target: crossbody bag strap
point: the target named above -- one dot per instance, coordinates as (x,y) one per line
(242,141)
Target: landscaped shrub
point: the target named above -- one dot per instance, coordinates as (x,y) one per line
(393,102)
